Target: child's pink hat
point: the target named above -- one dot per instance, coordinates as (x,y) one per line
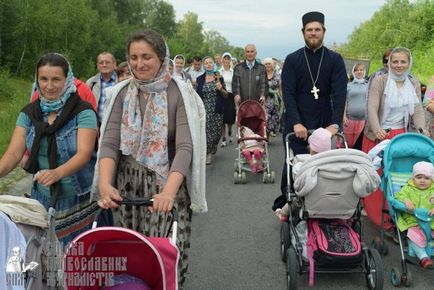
(320,140)
(425,168)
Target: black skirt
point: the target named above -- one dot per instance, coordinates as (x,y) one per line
(229,109)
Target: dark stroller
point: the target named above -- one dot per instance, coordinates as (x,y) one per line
(328,191)
(251,114)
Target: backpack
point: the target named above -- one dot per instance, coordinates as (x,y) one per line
(332,243)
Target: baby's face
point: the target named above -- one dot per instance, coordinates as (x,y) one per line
(422,182)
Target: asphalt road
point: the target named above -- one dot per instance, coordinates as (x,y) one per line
(236,245)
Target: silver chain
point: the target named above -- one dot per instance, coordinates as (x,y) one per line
(308,66)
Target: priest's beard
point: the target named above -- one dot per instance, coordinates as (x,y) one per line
(313,42)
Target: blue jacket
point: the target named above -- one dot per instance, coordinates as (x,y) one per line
(66,140)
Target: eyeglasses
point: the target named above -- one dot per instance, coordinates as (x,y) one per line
(385,60)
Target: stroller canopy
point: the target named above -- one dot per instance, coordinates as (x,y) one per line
(251,114)
(153,260)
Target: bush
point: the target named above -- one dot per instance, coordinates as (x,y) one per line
(6,90)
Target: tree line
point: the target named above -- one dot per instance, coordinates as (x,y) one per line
(81,29)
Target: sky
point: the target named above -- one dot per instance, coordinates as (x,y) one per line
(275,27)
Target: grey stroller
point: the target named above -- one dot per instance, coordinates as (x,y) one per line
(325,198)
(30,249)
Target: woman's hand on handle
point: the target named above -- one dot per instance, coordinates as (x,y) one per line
(108,196)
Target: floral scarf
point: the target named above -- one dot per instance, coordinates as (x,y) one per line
(145,138)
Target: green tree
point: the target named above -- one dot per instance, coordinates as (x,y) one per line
(215,42)
(190,32)
(160,16)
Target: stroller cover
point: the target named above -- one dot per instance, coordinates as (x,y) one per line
(332,182)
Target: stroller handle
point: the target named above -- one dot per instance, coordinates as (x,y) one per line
(140,201)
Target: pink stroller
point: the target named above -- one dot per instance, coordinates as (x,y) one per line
(97,257)
(251,114)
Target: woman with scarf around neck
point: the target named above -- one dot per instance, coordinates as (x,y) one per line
(394,101)
(356,107)
(146,146)
(211,88)
(59,130)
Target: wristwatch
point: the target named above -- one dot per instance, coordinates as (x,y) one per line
(336,126)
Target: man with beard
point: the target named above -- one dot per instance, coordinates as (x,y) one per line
(314,86)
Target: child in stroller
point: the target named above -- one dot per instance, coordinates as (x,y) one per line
(319,141)
(252,149)
(418,193)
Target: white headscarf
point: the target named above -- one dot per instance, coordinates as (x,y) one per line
(357,80)
(405,96)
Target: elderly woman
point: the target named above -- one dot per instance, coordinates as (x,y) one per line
(59,131)
(394,102)
(151,140)
(211,88)
(274,98)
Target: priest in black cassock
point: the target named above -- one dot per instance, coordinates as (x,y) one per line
(314,86)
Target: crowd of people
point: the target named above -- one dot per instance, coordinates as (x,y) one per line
(157,127)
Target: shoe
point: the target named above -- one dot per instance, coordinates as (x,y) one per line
(283,218)
(223,144)
(363,212)
(272,134)
(426,262)
(230,140)
(209,159)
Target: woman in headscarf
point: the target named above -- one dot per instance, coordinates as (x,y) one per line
(59,130)
(394,103)
(151,139)
(211,88)
(179,61)
(226,71)
(274,98)
(356,107)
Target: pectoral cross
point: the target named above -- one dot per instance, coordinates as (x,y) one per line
(315,91)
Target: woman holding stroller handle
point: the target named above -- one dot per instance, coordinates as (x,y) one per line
(393,101)
(149,138)
(418,193)
(59,130)
(211,88)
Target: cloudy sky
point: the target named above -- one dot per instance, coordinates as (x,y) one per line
(275,26)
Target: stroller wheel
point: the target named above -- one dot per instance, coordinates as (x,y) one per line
(408,278)
(272,176)
(243,177)
(236,166)
(374,269)
(380,246)
(395,276)
(285,240)
(292,269)
(236,179)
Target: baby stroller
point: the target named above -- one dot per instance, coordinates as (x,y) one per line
(323,233)
(252,115)
(30,244)
(399,156)
(152,260)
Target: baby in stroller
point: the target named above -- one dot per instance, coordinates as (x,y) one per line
(252,149)
(418,193)
(319,141)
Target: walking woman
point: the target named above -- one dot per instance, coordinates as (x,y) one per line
(356,107)
(59,130)
(229,112)
(211,88)
(151,139)
(274,98)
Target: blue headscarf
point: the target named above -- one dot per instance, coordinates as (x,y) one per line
(48,106)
